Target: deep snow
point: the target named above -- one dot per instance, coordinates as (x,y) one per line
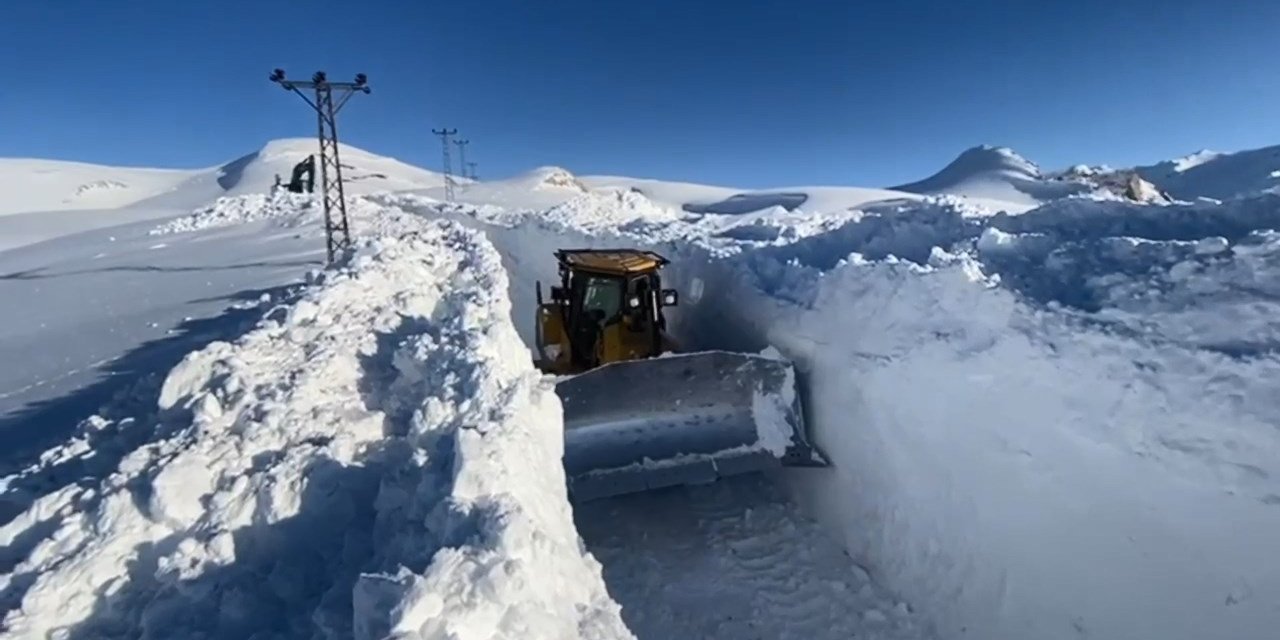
(1051,430)
(377,457)
(1058,424)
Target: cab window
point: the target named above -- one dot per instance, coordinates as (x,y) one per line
(602,294)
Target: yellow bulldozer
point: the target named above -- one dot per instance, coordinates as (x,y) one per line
(639,413)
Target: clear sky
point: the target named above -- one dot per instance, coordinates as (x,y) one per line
(739,92)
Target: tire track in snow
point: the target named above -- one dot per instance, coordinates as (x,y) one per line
(734,559)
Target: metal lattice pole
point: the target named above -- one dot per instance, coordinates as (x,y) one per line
(447,161)
(462,156)
(471,166)
(337,230)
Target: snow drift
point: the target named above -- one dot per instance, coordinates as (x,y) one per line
(298,208)
(1049,425)
(377,457)
(1021,460)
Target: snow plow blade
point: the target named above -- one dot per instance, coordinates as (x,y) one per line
(689,418)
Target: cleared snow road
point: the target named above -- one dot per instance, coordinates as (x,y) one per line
(733,559)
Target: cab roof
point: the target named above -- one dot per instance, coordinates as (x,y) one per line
(614,261)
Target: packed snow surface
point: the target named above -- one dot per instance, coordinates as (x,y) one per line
(735,560)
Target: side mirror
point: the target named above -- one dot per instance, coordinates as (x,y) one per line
(670,298)
(633,302)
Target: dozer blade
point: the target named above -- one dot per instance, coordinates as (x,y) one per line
(680,419)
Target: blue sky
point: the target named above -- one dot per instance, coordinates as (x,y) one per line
(744,93)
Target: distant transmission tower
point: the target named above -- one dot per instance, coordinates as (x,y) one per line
(336,229)
(472,167)
(462,155)
(448,162)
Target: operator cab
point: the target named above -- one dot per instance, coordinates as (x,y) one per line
(608,307)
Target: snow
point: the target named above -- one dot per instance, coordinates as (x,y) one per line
(707,199)
(49,199)
(1208,174)
(995,174)
(734,560)
(770,412)
(53,185)
(234,210)
(1130,433)
(1196,159)
(380,450)
(1046,417)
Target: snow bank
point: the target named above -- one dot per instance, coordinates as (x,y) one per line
(378,457)
(1017,475)
(1065,432)
(299,209)
(1042,426)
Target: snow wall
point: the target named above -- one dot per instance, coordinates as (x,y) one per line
(378,457)
(1058,425)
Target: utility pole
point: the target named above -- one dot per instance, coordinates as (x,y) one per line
(336,229)
(462,155)
(472,167)
(448,162)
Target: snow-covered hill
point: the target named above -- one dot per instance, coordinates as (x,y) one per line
(52,185)
(1217,175)
(999,174)
(995,173)
(46,199)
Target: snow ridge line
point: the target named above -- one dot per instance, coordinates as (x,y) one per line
(381,458)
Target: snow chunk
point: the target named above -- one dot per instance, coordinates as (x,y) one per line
(226,211)
(1211,245)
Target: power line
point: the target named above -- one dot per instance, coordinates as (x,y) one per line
(331,188)
(448,162)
